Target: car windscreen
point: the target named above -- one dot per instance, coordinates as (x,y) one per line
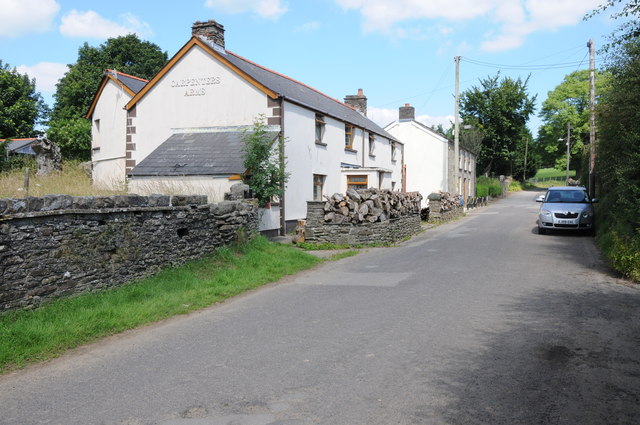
(567,196)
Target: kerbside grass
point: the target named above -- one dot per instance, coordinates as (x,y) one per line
(46,332)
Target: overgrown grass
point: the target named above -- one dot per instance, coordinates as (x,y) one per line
(46,332)
(515,186)
(71,181)
(324,246)
(621,248)
(486,186)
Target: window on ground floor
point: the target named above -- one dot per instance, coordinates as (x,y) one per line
(357,182)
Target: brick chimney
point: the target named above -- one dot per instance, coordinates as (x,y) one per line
(407,112)
(210,31)
(357,101)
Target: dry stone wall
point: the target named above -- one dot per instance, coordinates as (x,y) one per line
(61,245)
(363,217)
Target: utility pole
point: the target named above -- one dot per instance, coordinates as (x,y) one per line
(592,120)
(568,149)
(456,128)
(526,151)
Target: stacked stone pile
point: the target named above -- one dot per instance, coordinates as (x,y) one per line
(370,206)
(448,201)
(444,205)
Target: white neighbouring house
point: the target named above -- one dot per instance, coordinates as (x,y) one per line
(428,158)
(182,131)
(109,127)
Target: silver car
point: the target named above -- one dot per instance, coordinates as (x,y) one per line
(566,208)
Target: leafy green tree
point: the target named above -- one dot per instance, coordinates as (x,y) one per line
(74,134)
(75,91)
(500,109)
(264,162)
(618,145)
(568,104)
(21,107)
(627,31)
(618,155)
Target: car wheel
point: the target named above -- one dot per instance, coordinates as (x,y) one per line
(541,231)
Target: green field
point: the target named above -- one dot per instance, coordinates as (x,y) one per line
(553,174)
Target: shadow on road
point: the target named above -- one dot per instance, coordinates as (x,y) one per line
(568,358)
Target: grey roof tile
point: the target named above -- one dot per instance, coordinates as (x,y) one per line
(185,154)
(304,95)
(134,84)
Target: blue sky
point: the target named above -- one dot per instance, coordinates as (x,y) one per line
(398,52)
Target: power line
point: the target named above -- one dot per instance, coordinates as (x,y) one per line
(523,67)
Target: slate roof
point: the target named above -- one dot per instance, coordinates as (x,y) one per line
(201,153)
(133,83)
(304,95)
(22,146)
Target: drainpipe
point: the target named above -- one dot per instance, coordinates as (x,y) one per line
(363,141)
(283,222)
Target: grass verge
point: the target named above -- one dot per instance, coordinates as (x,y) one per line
(327,246)
(622,251)
(29,336)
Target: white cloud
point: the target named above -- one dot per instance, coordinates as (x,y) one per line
(308,27)
(513,19)
(270,9)
(26,16)
(47,75)
(91,24)
(384,116)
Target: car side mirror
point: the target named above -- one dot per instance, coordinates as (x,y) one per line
(540,198)
(594,201)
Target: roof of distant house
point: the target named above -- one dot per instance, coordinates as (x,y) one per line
(200,153)
(22,146)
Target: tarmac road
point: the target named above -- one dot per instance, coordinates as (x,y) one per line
(479,321)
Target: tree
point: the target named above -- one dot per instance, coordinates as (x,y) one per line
(500,109)
(619,139)
(74,134)
(628,31)
(21,107)
(75,91)
(568,103)
(264,163)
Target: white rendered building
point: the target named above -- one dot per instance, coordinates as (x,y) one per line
(182,132)
(428,158)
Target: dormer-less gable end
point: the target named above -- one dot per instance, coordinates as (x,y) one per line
(128,83)
(196,42)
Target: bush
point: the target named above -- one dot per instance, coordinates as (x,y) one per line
(486,186)
(622,250)
(515,186)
